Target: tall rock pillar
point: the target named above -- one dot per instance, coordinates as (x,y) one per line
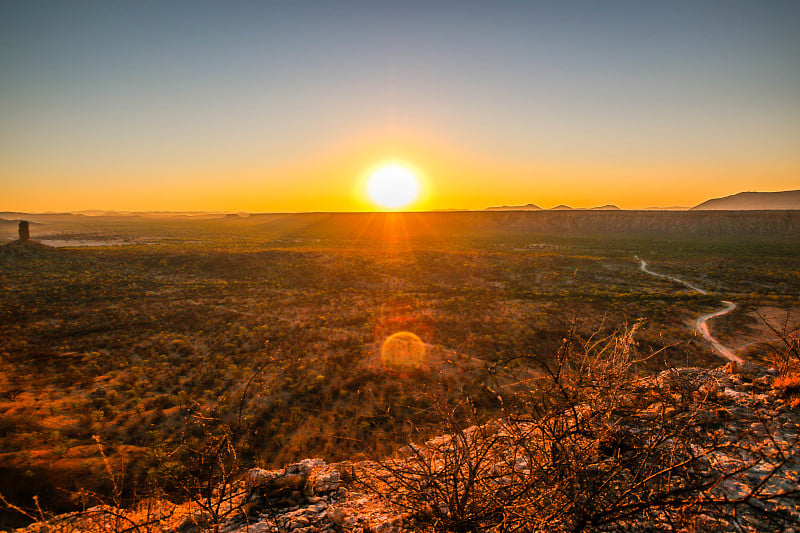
(24,231)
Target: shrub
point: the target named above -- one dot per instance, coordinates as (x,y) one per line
(788,384)
(578,454)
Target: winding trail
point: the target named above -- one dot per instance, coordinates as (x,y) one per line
(701,325)
(644,268)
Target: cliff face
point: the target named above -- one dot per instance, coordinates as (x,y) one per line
(615,224)
(649,223)
(754,201)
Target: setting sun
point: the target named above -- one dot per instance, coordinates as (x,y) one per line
(393,186)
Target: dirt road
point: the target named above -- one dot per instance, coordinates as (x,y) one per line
(701,325)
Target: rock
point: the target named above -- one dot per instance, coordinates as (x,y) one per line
(295,482)
(275,488)
(298,484)
(319,507)
(304,466)
(323,480)
(335,515)
(300,521)
(258,476)
(259,527)
(746,369)
(24,231)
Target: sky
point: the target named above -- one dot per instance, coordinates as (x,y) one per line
(287,106)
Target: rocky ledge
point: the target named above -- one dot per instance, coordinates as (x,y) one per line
(744,472)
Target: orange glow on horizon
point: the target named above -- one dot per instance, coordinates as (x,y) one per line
(333,178)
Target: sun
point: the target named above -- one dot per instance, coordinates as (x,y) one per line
(393,186)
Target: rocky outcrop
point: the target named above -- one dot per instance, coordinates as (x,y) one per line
(24,231)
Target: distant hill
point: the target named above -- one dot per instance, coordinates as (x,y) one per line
(150,214)
(6,223)
(534,207)
(100,212)
(749,201)
(527,207)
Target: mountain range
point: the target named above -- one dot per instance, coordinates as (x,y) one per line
(534,207)
(751,201)
(743,201)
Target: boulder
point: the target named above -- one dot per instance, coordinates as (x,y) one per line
(296,484)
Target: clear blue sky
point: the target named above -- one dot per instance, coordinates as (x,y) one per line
(279,105)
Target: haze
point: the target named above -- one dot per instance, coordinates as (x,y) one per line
(284,106)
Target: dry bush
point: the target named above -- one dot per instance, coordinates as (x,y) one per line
(581,453)
(788,384)
(786,354)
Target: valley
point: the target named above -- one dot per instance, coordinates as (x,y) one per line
(273,325)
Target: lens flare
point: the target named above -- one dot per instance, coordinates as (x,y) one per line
(403,350)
